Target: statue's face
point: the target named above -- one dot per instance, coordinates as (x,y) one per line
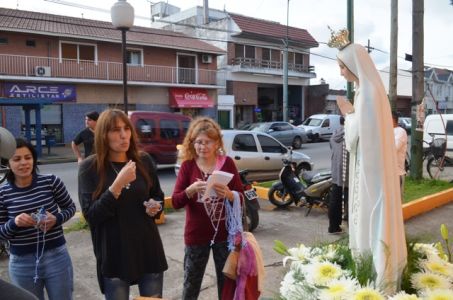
(346,73)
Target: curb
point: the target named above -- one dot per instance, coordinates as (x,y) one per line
(427,203)
(410,210)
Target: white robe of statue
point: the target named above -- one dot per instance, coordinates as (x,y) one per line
(375,213)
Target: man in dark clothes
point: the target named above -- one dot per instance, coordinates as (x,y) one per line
(339,191)
(85,136)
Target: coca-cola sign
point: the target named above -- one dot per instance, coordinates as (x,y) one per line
(195,98)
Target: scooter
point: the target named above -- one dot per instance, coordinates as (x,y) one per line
(251,217)
(308,190)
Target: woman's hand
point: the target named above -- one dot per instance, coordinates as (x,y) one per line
(126,175)
(198,186)
(48,223)
(152,207)
(223,191)
(344,105)
(24,220)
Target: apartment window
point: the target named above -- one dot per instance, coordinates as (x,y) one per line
(134,57)
(3,41)
(79,52)
(266,54)
(239,50)
(298,59)
(245,51)
(249,52)
(30,43)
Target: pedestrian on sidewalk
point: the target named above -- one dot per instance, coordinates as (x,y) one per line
(339,190)
(205,229)
(401,148)
(33,208)
(85,137)
(115,187)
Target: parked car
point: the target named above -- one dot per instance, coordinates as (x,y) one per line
(284,132)
(405,123)
(159,133)
(259,153)
(320,126)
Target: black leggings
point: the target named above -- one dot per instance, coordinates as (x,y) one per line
(195,261)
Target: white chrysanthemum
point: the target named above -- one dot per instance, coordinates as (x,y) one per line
(429,250)
(321,273)
(291,288)
(439,294)
(426,280)
(404,296)
(301,253)
(287,282)
(437,266)
(339,289)
(367,293)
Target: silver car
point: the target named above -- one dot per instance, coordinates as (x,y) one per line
(284,132)
(259,153)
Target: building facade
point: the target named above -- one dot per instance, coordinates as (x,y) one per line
(253,63)
(65,67)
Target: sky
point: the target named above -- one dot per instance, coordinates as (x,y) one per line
(371,22)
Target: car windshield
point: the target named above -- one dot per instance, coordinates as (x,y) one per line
(260,127)
(312,122)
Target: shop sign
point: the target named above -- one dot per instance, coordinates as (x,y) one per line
(56,92)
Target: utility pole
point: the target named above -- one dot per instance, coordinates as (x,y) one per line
(350,16)
(285,70)
(417,86)
(393,94)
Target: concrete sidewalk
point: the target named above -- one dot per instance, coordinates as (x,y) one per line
(57,154)
(290,226)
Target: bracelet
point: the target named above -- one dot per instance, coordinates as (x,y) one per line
(115,195)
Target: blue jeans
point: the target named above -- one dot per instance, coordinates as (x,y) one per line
(150,285)
(54,273)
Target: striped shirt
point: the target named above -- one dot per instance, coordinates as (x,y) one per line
(46,191)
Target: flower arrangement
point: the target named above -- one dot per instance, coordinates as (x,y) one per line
(329,272)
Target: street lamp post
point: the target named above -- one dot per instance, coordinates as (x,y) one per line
(122,14)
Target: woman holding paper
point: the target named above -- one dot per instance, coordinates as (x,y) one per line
(205,229)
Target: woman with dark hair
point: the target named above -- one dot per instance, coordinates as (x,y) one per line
(33,208)
(120,196)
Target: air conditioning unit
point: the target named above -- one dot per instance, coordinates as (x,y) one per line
(206,58)
(42,71)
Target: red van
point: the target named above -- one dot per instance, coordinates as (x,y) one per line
(159,133)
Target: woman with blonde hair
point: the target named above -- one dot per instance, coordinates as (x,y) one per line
(205,229)
(120,196)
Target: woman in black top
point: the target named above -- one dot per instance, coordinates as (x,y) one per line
(114,186)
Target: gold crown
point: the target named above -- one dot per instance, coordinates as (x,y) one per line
(338,39)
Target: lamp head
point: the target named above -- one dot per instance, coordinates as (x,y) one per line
(7,144)
(122,14)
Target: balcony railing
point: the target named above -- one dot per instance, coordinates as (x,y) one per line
(17,65)
(270,64)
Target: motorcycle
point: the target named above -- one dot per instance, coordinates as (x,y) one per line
(308,190)
(251,217)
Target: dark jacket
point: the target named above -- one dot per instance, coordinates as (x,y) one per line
(126,240)
(336,145)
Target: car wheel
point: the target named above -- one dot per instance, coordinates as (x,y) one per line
(297,143)
(301,168)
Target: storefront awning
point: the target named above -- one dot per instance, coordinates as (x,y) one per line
(190,98)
